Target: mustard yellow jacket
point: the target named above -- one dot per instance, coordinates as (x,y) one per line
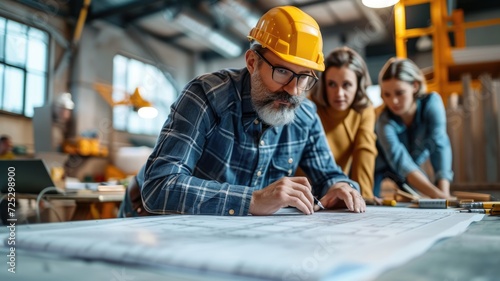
(351,137)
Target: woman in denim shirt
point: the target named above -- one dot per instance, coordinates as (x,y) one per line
(410,129)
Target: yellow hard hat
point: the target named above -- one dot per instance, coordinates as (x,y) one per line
(292,35)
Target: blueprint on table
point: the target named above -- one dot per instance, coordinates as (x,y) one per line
(325,245)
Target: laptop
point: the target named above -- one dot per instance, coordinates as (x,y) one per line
(30,176)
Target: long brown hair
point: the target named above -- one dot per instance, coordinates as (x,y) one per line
(340,57)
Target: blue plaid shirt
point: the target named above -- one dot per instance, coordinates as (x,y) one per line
(213,150)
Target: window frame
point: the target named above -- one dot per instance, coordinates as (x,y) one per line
(127,128)
(24,69)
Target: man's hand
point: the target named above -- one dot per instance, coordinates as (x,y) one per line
(288,191)
(342,193)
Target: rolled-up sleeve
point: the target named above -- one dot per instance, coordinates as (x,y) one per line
(439,143)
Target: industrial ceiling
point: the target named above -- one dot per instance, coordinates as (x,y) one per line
(218,28)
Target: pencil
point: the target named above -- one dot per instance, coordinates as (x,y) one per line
(477,211)
(319,203)
(385,202)
(484,205)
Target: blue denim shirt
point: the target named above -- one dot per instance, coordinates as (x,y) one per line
(213,150)
(403,149)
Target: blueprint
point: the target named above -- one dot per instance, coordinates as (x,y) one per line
(336,245)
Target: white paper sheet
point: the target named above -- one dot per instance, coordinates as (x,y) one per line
(323,246)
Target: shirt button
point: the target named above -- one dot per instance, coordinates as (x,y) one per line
(231,212)
(259,173)
(262,142)
(290,172)
(256,121)
(290,161)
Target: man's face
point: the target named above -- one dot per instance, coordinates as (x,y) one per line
(275,107)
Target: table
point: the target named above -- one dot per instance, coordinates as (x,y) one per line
(471,255)
(92,204)
(88,204)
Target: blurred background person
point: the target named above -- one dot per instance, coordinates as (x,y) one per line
(62,110)
(410,130)
(5,154)
(6,148)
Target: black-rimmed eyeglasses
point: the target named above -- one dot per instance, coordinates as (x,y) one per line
(284,76)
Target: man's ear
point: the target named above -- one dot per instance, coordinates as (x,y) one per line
(251,60)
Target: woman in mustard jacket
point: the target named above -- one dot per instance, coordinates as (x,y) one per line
(348,116)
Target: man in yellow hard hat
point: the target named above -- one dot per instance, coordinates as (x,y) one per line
(235,137)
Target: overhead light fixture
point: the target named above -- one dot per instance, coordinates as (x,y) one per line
(143,107)
(379,3)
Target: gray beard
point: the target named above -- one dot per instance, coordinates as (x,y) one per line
(263,99)
(275,118)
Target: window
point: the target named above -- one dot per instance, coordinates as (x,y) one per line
(129,74)
(23,67)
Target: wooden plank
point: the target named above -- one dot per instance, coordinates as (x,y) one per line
(496,111)
(455,121)
(476,196)
(468,141)
(475,186)
(489,134)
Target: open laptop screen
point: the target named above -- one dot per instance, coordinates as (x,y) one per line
(30,176)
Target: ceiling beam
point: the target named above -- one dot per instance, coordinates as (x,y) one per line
(119,10)
(346,27)
(312,3)
(149,10)
(46,8)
